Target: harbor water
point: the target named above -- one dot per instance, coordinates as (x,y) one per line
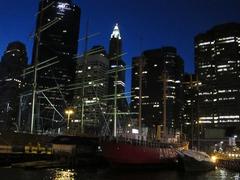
(109,174)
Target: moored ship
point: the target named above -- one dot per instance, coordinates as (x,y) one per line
(131,152)
(136,149)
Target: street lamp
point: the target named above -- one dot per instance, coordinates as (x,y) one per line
(68,112)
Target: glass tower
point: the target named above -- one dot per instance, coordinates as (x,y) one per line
(58,22)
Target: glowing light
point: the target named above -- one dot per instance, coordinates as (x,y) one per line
(64,174)
(62,7)
(135,131)
(116,32)
(69,111)
(214,159)
(204,43)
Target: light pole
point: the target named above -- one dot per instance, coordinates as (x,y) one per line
(68,112)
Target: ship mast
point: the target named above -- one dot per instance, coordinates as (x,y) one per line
(83,79)
(192,121)
(116,67)
(164,104)
(198,120)
(38,37)
(116,34)
(140,96)
(115,104)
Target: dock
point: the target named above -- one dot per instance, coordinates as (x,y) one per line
(39,165)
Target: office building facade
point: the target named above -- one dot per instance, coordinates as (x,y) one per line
(159,67)
(117,70)
(190,105)
(217,58)
(58,23)
(91,73)
(12,83)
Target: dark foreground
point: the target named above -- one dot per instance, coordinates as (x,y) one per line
(108,174)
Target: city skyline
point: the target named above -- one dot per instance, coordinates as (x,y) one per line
(144,25)
(125,84)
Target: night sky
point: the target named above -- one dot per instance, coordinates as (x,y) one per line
(144,24)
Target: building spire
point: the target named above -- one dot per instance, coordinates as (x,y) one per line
(116,32)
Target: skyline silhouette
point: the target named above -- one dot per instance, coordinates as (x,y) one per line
(143,24)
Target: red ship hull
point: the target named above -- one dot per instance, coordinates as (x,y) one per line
(139,153)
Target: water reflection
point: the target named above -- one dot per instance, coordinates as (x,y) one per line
(108,174)
(61,174)
(236,177)
(223,174)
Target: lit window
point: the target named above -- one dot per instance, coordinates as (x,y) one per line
(204,43)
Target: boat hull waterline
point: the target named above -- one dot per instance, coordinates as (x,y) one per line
(129,153)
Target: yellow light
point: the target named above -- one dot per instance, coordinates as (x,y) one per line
(214,159)
(69,112)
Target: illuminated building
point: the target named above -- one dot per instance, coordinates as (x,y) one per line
(157,64)
(217,57)
(13,62)
(190,104)
(116,63)
(59,26)
(95,90)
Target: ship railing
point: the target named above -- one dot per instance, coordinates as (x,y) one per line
(140,142)
(155,144)
(128,140)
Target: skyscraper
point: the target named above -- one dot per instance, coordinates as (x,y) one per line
(13,62)
(217,58)
(190,105)
(159,67)
(58,22)
(94,78)
(117,68)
